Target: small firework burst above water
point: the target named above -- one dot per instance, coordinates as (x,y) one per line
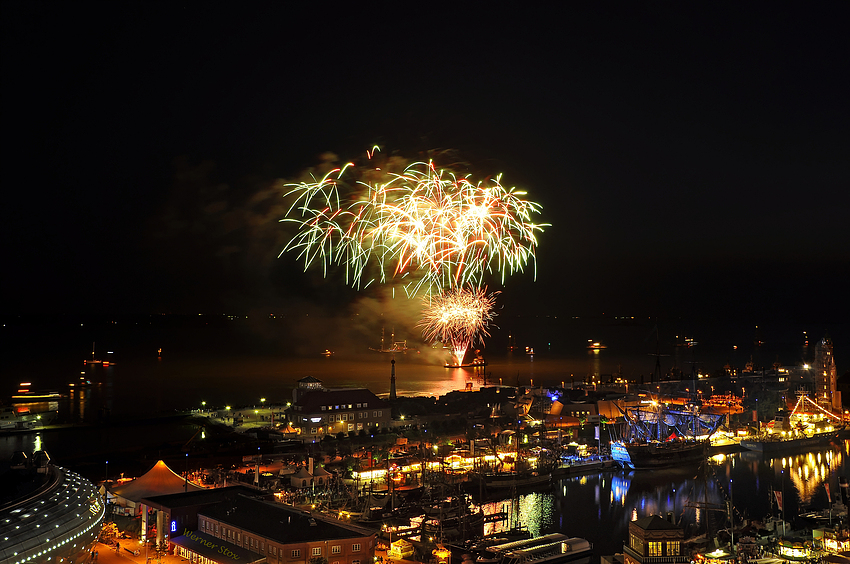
(424,225)
(457,317)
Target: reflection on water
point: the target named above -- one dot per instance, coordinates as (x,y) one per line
(695,498)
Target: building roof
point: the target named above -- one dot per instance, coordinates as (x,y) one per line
(159,480)
(302,473)
(320,472)
(655,523)
(309,380)
(280,523)
(201,497)
(312,402)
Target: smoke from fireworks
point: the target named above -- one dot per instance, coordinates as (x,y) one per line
(423,225)
(457,317)
(437,232)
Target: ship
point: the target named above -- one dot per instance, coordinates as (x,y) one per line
(808,425)
(476,362)
(394,347)
(657,435)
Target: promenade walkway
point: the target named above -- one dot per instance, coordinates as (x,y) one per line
(108,555)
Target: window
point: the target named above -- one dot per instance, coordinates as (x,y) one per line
(365,405)
(349,405)
(375,414)
(336,549)
(359,426)
(355,548)
(355,562)
(359,405)
(672,548)
(239,538)
(324,408)
(296,553)
(380,414)
(636,544)
(313,430)
(654,548)
(351,426)
(317,551)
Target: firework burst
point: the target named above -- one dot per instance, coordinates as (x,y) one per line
(424,225)
(458,317)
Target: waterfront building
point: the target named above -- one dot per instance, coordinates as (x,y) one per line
(320,411)
(227,525)
(179,511)
(826,377)
(652,540)
(48,514)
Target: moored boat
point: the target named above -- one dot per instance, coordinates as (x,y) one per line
(807,426)
(11,419)
(508,480)
(659,454)
(659,436)
(554,548)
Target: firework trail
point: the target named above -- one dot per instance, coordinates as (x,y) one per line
(457,317)
(424,225)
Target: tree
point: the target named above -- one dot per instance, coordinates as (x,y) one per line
(318,560)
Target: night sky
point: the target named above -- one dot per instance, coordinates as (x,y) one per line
(692,158)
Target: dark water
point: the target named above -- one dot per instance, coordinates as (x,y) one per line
(237,362)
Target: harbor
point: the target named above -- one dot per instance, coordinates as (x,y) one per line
(482,458)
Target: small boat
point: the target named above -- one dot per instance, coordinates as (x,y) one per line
(554,548)
(517,480)
(11,419)
(93,360)
(595,345)
(327,353)
(456,518)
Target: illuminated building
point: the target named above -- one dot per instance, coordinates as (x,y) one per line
(826,376)
(48,514)
(318,411)
(230,525)
(653,540)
